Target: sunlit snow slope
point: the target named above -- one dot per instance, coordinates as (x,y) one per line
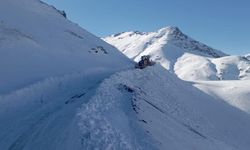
(188,58)
(37,42)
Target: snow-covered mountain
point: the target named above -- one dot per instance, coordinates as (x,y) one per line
(188,58)
(62,88)
(37,42)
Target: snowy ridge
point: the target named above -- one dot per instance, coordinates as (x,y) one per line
(175,51)
(126,117)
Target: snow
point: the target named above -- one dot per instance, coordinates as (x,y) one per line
(145,110)
(133,43)
(43,115)
(232,67)
(233,92)
(194,68)
(63,88)
(37,42)
(188,59)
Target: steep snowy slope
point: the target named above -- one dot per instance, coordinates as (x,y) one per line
(37,42)
(189,59)
(145,110)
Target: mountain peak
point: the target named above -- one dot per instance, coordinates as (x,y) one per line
(173,33)
(134,44)
(178,38)
(170,29)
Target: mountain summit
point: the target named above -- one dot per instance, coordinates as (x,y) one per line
(141,41)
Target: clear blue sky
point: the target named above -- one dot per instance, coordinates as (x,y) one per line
(222,24)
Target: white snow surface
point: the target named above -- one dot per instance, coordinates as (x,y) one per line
(233,92)
(145,110)
(175,51)
(37,42)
